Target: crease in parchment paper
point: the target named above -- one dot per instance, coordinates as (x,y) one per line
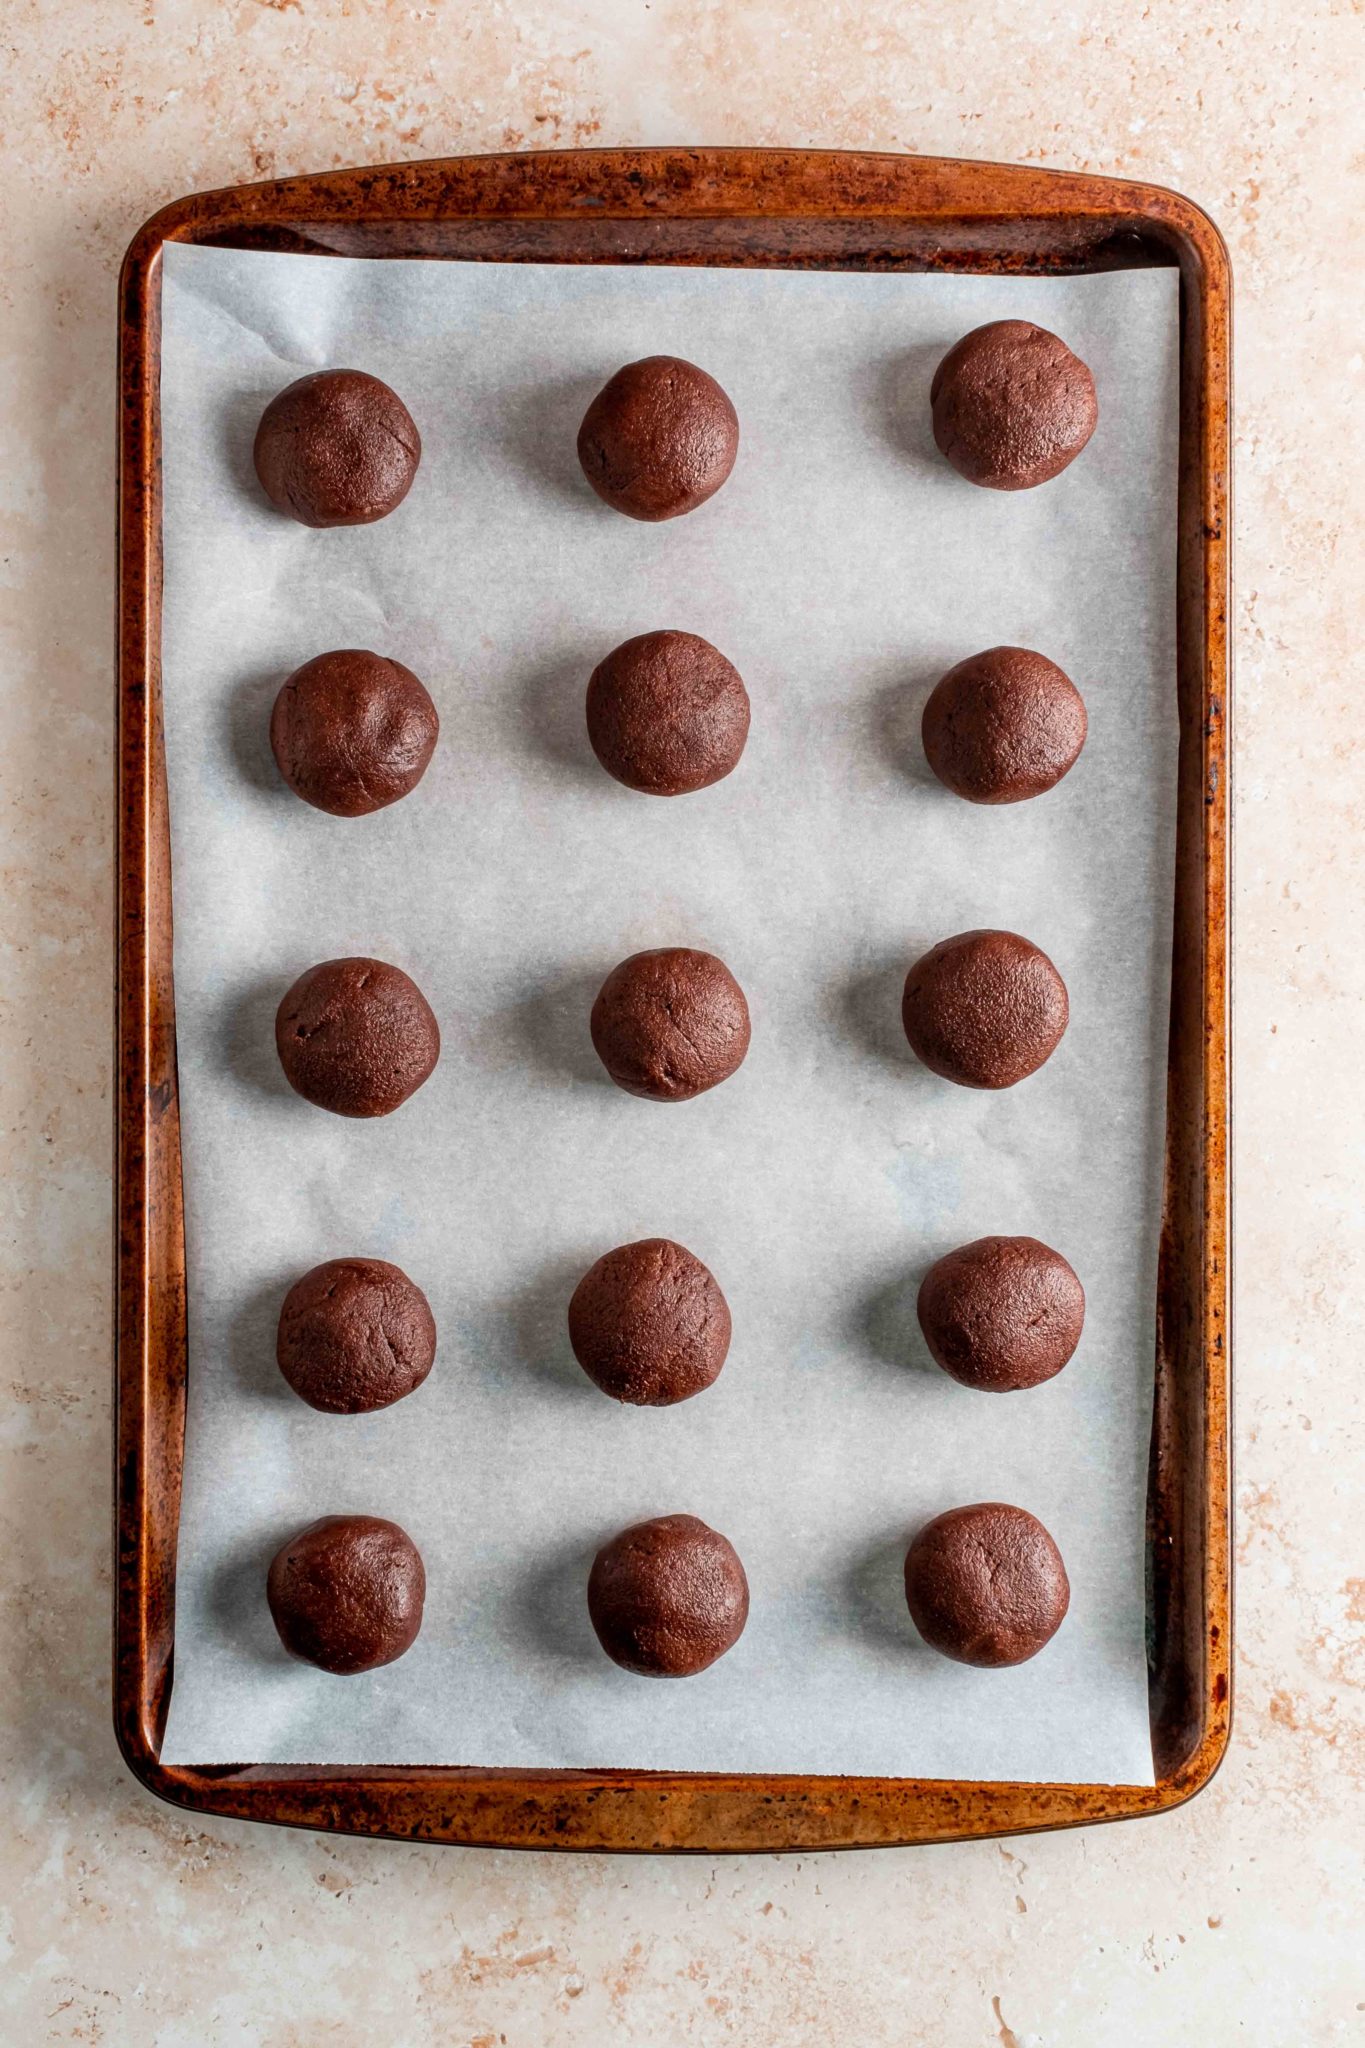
(842,568)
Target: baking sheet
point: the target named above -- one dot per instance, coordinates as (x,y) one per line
(842,568)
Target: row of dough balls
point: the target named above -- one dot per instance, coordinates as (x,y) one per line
(667,714)
(984,1009)
(650,1326)
(1012,407)
(985,1585)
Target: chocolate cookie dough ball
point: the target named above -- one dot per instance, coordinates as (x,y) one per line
(649,1325)
(1003,725)
(667,713)
(352,731)
(667,1597)
(659,439)
(355,1335)
(1012,406)
(986,1585)
(670,1024)
(346,1593)
(1002,1313)
(356,1036)
(984,1009)
(337,449)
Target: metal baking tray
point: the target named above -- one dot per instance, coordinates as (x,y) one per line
(739,208)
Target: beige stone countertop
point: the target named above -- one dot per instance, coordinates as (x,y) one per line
(1237,1918)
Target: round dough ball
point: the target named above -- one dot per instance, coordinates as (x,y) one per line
(649,1325)
(356,1036)
(670,1024)
(1003,725)
(346,1593)
(352,731)
(986,1585)
(1012,405)
(659,439)
(1002,1313)
(667,1597)
(337,449)
(355,1335)
(667,713)
(984,1009)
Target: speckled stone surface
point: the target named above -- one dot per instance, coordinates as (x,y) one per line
(1236,1919)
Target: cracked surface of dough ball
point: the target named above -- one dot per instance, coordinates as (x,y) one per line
(355,1335)
(649,1324)
(1001,1313)
(356,1036)
(337,448)
(668,1597)
(1003,726)
(352,731)
(671,1023)
(659,439)
(667,713)
(984,1009)
(1012,406)
(346,1593)
(986,1585)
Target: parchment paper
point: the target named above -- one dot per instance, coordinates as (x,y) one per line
(842,568)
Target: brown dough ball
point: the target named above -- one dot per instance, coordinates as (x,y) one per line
(986,1585)
(667,713)
(355,1335)
(649,1325)
(337,449)
(984,1009)
(352,731)
(346,1593)
(1002,1313)
(1003,725)
(670,1024)
(356,1036)
(667,1597)
(659,439)
(1012,406)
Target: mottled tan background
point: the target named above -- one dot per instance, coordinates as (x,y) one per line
(1238,1918)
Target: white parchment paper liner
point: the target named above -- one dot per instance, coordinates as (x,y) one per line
(842,568)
